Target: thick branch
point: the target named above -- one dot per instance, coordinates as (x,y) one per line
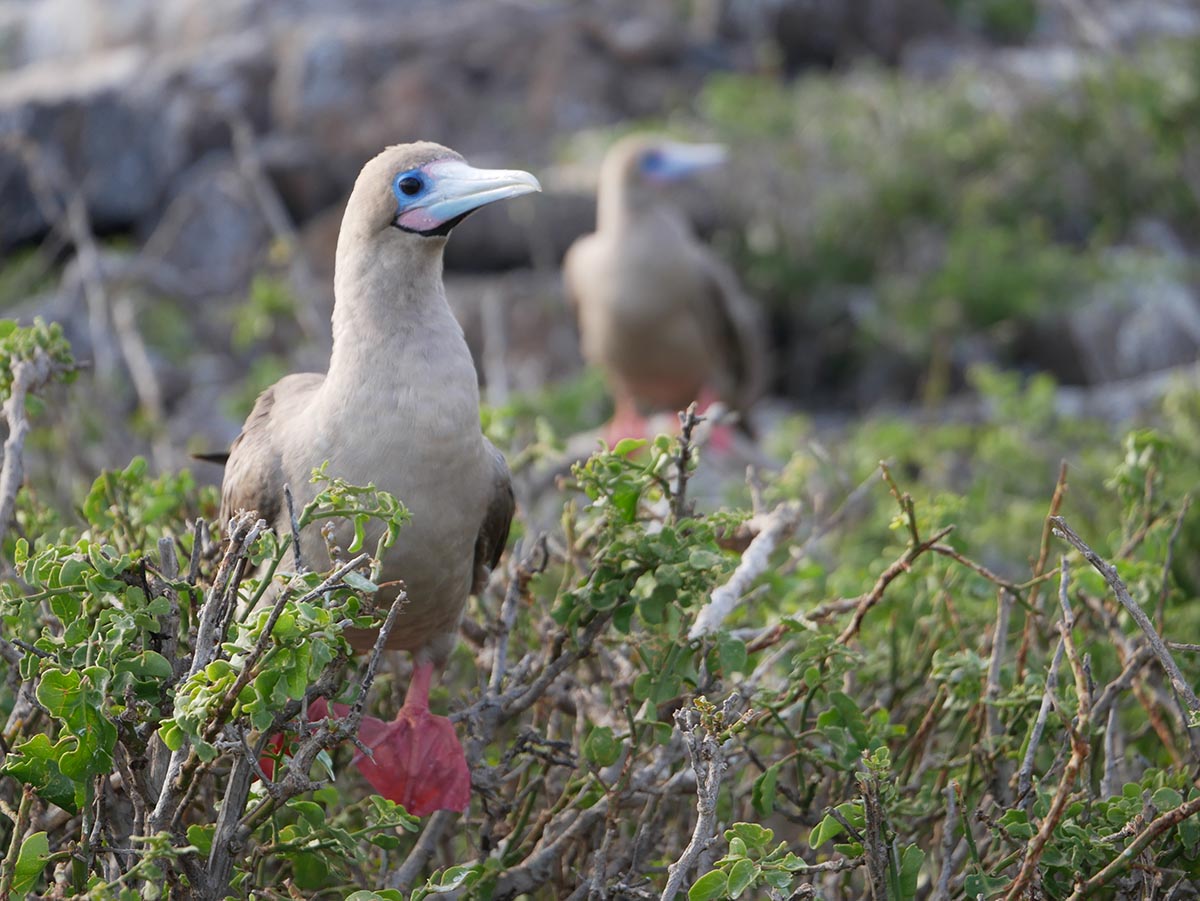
(755,561)
(709,765)
(27,376)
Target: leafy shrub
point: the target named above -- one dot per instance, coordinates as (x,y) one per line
(871,715)
(883,215)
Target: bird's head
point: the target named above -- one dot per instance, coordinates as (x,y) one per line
(422,190)
(645,160)
(636,166)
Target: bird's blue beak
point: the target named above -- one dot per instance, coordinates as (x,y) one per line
(455,189)
(674,160)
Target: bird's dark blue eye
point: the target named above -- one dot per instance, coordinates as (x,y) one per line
(652,161)
(410,185)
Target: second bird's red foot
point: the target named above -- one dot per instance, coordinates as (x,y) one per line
(418,760)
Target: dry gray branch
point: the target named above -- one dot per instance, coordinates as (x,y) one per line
(776,526)
(1109,572)
(403,877)
(875,845)
(1025,795)
(995,726)
(28,375)
(708,763)
(244,529)
(942,891)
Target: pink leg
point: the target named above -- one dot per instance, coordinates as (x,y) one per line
(418,760)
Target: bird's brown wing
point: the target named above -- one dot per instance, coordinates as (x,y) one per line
(493,534)
(739,331)
(253,474)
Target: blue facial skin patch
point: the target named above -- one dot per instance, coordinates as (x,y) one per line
(408,185)
(675,161)
(655,164)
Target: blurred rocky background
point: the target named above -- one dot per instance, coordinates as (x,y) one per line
(917,187)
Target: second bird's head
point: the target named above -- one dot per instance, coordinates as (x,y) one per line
(651,160)
(416,193)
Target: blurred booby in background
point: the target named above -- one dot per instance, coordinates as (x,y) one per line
(664,319)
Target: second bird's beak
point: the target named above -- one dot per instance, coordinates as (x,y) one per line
(680,160)
(457,189)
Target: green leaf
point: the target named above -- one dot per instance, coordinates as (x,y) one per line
(201,837)
(171,735)
(763,793)
(360,582)
(627,446)
(1166,799)
(31,860)
(754,835)
(732,654)
(625,500)
(852,717)
(310,870)
(910,869)
(741,876)
(822,832)
(709,887)
(601,747)
(36,763)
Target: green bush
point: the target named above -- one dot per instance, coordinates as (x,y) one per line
(857,722)
(878,212)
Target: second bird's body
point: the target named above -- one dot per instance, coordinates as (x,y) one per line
(663,319)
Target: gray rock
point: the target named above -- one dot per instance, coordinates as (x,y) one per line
(212,234)
(1146,319)
(99,127)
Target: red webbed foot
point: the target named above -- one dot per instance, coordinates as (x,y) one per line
(416,760)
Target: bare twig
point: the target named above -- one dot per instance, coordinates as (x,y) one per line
(403,877)
(688,420)
(755,561)
(1110,781)
(1109,572)
(864,603)
(1034,600)
(28,375)
(942,891)
(875,843)
(1164,823)
(297,557)
(244,529)
(249,667)
(1080,749)
(1025,796)
(995,726)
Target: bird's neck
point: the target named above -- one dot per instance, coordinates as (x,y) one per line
(615,206)
(388,304)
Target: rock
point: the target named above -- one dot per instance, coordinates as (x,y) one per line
(121,125)
(1144,320)
(212,232)
(353,85)
(98,126)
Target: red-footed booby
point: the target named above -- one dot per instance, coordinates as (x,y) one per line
(399,407)
(665,320)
